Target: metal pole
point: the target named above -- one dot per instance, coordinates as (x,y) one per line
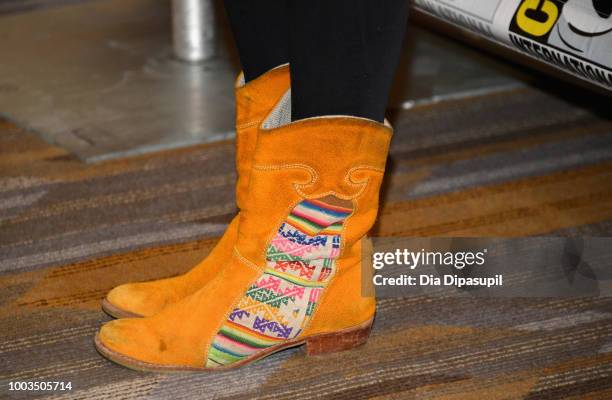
(194,29)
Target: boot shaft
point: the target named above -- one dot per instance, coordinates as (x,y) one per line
(335,161)
(254,100)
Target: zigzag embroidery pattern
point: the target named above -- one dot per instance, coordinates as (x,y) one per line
(300,261)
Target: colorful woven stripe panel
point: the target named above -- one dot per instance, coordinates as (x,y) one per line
(277,307)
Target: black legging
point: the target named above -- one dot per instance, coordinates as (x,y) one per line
(342,53)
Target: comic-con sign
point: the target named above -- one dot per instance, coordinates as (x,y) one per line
(573,35)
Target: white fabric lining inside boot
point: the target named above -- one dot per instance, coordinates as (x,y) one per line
(280,114)
(240,82)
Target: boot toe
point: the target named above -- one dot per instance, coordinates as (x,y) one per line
(135,299)
(129,338)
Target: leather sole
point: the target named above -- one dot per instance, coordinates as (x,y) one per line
(324,343)
(117,312)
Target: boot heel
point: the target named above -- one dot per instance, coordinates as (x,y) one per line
(338,341)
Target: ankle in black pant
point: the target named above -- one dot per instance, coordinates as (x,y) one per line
(342,53)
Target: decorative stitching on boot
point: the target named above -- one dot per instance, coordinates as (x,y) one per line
(348,220)
(314,176)
(246,261)
(277,306)
(363,184)
(331,280)
(248,124)
(209,344)
(278,223)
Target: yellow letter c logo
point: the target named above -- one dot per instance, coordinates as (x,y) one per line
(537,17)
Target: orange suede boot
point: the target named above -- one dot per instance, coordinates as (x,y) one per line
(294,276)
(253,102)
